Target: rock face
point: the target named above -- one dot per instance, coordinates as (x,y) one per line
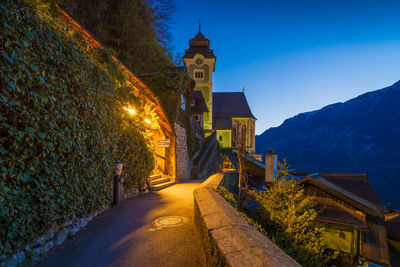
(360,135)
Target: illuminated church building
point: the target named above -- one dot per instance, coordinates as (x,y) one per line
(227,113)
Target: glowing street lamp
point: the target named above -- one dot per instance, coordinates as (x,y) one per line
(130,110)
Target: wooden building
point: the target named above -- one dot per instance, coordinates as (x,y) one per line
(392,219)
(353,217)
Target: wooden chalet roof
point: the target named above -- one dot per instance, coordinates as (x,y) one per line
(354,189)
(337,215)
(140,89)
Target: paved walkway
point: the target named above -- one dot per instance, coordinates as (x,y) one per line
(126,236)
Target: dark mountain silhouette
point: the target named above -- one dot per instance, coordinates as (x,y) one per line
(361,135)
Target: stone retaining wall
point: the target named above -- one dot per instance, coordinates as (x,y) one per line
(228,240)
(55,237)
(183,167)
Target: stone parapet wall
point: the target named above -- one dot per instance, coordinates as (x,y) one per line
(183,167)
(228,240)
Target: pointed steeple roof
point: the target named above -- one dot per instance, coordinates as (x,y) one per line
(199,45)
(199,35)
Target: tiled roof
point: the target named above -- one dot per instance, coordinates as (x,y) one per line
(197,95)
(200,104)
(232,104)
(349,187)
(356,184)
(222,123)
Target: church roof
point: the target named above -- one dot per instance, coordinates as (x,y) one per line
(232,105)
(222,124)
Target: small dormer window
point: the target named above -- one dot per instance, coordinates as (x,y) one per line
(199,74)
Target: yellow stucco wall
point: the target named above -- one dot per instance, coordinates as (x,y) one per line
(204,85)
(224,138)
(337,241)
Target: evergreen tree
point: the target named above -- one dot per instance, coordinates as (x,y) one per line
(288,216)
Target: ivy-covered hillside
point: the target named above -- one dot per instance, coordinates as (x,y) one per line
(138,31)
(63,125)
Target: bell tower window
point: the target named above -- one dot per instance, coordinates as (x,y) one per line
(199,74)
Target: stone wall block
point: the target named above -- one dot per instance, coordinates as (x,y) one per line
(183,166)
(46,247)
(61,236)
(73,229)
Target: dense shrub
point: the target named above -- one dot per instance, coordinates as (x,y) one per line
(62,126)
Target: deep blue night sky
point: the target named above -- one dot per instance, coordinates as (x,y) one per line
(296,56)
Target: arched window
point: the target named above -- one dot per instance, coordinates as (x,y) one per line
(198,74)
(244,134)
(234,135)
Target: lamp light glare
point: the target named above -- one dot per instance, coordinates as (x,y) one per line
(147,121)
(130,110)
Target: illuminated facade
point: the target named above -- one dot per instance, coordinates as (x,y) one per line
(227,113)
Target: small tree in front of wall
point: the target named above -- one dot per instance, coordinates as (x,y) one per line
(241,153)
(288,216)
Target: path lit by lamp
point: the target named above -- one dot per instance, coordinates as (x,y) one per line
(147,121)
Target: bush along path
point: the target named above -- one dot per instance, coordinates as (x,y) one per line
(62,127)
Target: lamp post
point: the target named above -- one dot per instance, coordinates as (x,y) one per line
(117,181)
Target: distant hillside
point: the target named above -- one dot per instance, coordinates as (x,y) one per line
(360,135)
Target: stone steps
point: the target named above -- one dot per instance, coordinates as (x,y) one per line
(158,187)
(159,181)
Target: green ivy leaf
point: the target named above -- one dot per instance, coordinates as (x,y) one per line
(3,151)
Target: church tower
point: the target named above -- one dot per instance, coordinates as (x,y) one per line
(200,60)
